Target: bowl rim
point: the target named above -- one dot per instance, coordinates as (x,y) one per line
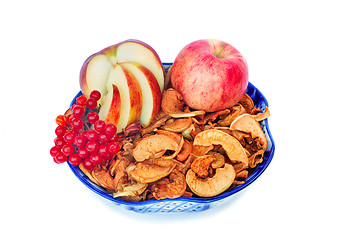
(255,174)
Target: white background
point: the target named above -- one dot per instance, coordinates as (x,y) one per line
(298,56)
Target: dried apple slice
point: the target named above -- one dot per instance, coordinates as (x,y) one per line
(246,123)
(172,104)
(172,187)
(185,151)
(247,103)
(179,125)
(154,146)
(200,165)
(146,173)
(210,187)
(231,145)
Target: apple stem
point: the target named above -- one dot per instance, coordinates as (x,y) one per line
(222,48)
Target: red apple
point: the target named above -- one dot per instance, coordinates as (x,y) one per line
(210,74)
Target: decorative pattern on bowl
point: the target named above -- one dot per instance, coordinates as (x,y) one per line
(189,204)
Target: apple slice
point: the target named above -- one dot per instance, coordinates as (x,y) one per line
(111,106)
(130,95)
(151,94)
(94,74)
(136,51)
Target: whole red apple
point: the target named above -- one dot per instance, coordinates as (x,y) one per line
(211,75)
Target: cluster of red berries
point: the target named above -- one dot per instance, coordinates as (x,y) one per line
(79,144)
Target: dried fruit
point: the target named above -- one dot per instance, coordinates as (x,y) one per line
(173,105)
(231,145)
(172,187)
(154,146)
(213,186)
(181,153)
(147,172)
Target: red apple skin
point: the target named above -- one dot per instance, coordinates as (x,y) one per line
(114,110)
(211,75)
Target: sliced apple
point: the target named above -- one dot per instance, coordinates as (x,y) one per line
(130,95)
(96,68)
(136,51)
(151,94)
(111,106)
(102,69)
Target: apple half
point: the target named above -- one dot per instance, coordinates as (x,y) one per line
(96,68)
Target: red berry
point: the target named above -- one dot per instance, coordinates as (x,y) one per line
(115,138)
(96,158)
(54,150)
(74,159)
(103,138)
(83,153)
(95,95)
(91,135)
(77,123)
(60,158)
(67,149)
(91,103)
(81,100)
(113,148)
(88,164)
(59,142)
(108,156)
(78,111)
(69,119)
(103,151)
(61,120)
(60,131)
(110,129)
(79,140)
(69,137)
(92,117)
(92,146)
(99,125)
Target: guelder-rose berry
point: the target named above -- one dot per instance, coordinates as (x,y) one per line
(99,125)
(74,159)
(91,103)
(92,117)
(113,147)
(95,95)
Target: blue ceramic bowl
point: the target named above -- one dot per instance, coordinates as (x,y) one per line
(189,204)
